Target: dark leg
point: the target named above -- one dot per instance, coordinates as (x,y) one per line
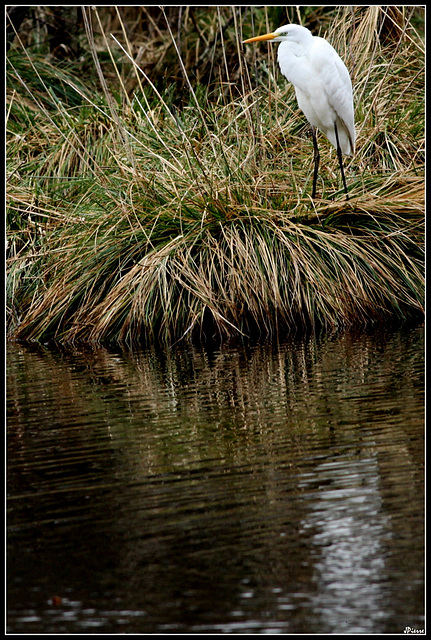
(340,161)
(316,161)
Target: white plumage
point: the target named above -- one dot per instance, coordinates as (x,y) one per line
(322,85)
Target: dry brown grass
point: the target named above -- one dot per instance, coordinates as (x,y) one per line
(133,218)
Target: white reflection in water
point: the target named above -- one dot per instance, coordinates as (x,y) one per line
(348,529)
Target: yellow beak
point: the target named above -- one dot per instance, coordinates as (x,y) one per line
(267,36)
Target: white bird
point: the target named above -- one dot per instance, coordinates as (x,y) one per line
(322,85)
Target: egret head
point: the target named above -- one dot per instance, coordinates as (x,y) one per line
(287,33)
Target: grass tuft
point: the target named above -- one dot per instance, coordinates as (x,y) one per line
(132,216)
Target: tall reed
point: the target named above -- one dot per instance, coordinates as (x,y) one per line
(133,216)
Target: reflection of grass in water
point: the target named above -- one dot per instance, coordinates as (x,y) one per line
(129,218)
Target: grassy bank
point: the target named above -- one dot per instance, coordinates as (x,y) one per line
(141,205)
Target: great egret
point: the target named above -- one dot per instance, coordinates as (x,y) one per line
(322,85)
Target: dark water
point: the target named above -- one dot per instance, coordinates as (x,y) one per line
(260,489)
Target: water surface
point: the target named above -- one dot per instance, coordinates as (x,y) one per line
(273,488)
